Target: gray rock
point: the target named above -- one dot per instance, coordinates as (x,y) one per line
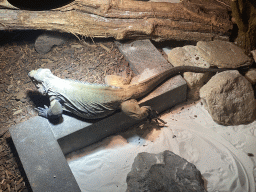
(190,56)
(165,172)
(229,98)
(223,54)
(45,42)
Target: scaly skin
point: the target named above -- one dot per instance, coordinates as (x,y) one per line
(94,101)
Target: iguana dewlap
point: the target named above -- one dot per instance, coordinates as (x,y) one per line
(94,101)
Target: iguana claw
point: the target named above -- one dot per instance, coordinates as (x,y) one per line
(153,114)
(42,111)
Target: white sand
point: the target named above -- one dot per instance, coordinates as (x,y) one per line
(219,152)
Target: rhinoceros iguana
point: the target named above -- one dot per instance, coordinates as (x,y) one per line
(94,101)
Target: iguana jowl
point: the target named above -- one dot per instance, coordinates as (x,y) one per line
(94,101)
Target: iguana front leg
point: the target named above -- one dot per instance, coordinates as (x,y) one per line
(54,111)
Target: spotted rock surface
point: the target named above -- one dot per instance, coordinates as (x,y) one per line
(229,98)
(223,54)
(163,172)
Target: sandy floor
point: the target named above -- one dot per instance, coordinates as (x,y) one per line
(224,155)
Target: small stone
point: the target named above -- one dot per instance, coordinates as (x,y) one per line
(223,54)
(229,98)
(163,172)
(45,42)
(251,76)
(190,56)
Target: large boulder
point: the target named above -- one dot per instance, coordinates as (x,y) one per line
(229,98)
(165,172)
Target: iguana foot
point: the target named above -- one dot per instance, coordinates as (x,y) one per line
(42,111)
(133,110)
(53,112)
(153,114)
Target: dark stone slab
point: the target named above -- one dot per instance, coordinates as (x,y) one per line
(163,172)
(142,54)
(67,126)
(42,158)
(87,133)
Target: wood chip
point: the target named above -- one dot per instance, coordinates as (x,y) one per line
(21,179)
(19,186)
(17,112)
(77,46)
(104,47)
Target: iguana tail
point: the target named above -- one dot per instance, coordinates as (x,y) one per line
(141,89)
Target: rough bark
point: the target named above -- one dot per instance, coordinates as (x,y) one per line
(125,19)
(244,13)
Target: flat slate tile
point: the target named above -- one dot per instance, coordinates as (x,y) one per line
(42,157)
(118,122)
(142,54)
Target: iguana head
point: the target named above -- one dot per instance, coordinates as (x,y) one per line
(39,77)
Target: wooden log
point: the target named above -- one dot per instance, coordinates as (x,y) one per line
(244,13)
(125,19)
